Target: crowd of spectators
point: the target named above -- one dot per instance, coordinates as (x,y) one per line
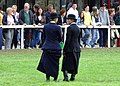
(90,38)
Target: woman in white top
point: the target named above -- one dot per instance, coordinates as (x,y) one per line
(8,19)
(96,22)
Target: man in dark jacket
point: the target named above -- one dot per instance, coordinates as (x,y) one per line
(49,63)
(71,49)
(47,14)
(26,18)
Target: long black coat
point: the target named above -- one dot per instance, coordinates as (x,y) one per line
(72,43)
(49,62)
(72,49)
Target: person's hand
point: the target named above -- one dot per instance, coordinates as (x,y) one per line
(24,24)
(34,24)
(110,26)
(39,24)
(99,24)
(92,25)
(64,23)
(13,23)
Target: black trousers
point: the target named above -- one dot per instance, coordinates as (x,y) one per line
(71,62)
(14,41)
(103,37)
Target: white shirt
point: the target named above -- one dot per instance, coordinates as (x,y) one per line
(96,23)
(16,16)
(10,20)
(40,17)
(62,19)
(74,12)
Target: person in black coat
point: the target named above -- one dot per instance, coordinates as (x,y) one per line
(49,62)
(71,51)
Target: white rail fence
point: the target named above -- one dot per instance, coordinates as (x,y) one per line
(22,27)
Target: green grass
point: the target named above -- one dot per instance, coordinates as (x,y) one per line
(98,67)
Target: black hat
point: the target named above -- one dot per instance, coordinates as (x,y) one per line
(71,16)
(53,15)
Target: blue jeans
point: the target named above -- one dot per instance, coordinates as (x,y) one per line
(86,37)
(8,38)
(36,38)
(95,37)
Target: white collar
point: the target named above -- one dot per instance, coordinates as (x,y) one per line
(73,23)
(52,22)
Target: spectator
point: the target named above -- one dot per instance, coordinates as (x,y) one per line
(62,21)
(104,18)
(9,19)
(49,11)
(1,17)
(86,16)
(117,22)
(62,17)
(15,37)
(73,10)
(96,22)
(39,20)
(114,32)
(117,16)
(79,20)
(26,18)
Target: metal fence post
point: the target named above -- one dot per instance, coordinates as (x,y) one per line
(109,44)
(22,37)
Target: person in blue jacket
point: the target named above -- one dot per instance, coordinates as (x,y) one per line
(49,62)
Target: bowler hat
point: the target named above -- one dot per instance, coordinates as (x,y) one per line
(53,15)
(71,16)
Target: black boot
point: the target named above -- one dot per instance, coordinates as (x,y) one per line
(65,76)
(72,77)
(47,78)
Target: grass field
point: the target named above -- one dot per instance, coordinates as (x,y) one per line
(98,67)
